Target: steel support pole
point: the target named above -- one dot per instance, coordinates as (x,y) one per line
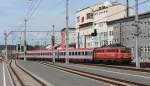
(127,2)
(20,44)
(137,34)
(25,48)
(53,43)
(6,49)
(67,45)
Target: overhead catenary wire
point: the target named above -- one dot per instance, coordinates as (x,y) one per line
(32,3)
(32,9)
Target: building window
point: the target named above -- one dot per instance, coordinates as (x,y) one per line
(96,13)
(96,44)
(82,19)
(127,38)
(133,37)
(78,19)
(148,22)
(110,43)
(148,48)
(89,16)
(145,23)
(145,49)
(111,33)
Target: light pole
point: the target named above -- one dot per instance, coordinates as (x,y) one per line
(93,26)
(6,49)
(24,43)
(6,46)
(137,35)
(53,43)
(67,44)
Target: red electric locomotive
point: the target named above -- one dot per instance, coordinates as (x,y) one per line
(112,54)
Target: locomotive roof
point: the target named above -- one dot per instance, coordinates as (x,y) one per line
(112,46)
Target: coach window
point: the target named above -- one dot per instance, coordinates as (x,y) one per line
(89,53)
(44,53)
(61,53)
(73,53)
(79,53)
(82,53)
(64,53)
(76,53)
(41,54)
(69,53)
(86,53)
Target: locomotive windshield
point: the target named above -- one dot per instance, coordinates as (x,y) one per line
(125,50)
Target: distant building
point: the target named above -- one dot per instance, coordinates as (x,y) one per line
(124,30)
(10,50)
(9,47)
(71,38)
(96,18)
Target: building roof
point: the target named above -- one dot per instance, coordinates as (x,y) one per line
(106,2)
(131,18)
(68,28)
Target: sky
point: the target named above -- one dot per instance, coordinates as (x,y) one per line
(49,12)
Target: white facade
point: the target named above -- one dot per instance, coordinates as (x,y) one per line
(72,36)
(96,17)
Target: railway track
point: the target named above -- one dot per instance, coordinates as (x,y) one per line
(121,67)
(21,77)
(112,81)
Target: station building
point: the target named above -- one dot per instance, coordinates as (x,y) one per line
(95,18)
(124,30)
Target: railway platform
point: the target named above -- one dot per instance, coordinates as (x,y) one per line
(59,70)
(5,79)
(45,73)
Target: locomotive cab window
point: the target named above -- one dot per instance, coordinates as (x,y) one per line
(125,50)
(111,50)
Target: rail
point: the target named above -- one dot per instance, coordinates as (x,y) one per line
(113,81)
(19,78)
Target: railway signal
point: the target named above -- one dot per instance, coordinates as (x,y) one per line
(94,33)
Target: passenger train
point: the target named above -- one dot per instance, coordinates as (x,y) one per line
(101,54)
